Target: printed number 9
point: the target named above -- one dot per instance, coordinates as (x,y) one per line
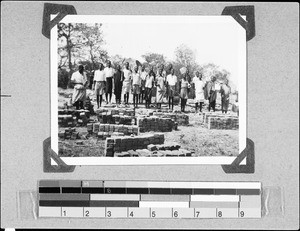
(242,213)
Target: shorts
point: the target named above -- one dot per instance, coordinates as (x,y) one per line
(136,89)
(100,87)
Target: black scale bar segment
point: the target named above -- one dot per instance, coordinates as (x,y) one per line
(160,190)
(248,191)
(204,191)
(93,190)
(71,190)
(65,203)
(224,191)
(49,190)
(137,191)
(115,190)
(182,191)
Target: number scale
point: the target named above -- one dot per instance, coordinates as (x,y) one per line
(141,199)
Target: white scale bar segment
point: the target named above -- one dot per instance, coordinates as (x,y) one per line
(163,204)
(219,198)
(115,197)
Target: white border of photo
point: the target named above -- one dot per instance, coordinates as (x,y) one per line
(242,88)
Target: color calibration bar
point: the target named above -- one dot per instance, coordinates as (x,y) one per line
(144,199)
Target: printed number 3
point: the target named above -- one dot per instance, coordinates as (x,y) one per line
(108,213)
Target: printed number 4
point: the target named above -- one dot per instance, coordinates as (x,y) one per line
(131,214)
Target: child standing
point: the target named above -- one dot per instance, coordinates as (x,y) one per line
(184,85)
(126,82)
(99,84)
(148,88)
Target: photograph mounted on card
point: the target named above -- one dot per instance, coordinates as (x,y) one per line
(148,88)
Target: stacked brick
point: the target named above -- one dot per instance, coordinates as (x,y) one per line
(125,143)
(220,121)
(69,133)
(116,116)
(180,119)
(156,124)
(106,130)
(72,118)
(228,123)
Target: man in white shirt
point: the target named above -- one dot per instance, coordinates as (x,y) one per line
(109,73)
(99,84)
(143,79)
(136,86)
(126,82)
(199,90)
(149,82)
(80,82)
(171,84)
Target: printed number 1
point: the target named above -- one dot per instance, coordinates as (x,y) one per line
(64,213)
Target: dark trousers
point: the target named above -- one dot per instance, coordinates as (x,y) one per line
(78,104)
(183,103)
(212,105)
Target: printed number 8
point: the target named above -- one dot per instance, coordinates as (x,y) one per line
(220,214)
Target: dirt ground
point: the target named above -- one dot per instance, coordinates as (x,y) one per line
(195,136)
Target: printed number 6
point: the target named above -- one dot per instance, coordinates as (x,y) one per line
(175,213)
(153,214)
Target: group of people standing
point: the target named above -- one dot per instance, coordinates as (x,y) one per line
(141,83)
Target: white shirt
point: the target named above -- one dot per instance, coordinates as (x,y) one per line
(109,72)
(136,79)
(144,75)
(127,75)
(149,81)
(172,80)
(79,78)
(99,75)
(199,84)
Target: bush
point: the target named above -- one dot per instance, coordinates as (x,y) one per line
(63,78)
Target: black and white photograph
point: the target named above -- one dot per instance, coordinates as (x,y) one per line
(148,86)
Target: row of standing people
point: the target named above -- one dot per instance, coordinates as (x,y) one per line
(141,84)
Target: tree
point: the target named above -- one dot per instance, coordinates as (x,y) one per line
(154,59)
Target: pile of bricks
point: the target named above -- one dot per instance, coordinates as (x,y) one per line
(179,118)
(116,116)
(95,128)
(220,121)
(156,124)
(163,147)
(72,118)
(125,143)
(223,123)
(69,133)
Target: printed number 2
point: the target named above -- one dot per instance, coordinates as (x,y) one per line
(87,213)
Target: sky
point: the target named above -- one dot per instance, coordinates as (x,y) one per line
(216,43)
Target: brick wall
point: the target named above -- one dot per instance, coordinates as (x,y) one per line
(154,123)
